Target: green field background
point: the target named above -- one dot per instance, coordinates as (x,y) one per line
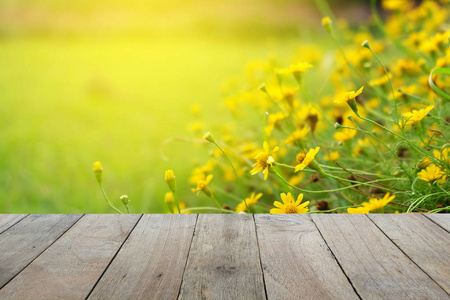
(86,81)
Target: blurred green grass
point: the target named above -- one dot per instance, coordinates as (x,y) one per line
(69,102)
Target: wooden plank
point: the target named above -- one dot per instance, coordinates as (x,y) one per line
(296,261)
(223,261)
(375,266)
(424,242)
(71,267)
(22,243)
(151,262)
(442,220)
(6,221)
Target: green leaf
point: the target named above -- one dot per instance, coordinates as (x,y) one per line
(433,86)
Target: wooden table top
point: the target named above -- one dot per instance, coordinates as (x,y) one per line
(224,256)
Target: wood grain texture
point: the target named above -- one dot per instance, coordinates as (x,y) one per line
(151,262)
(6,221)
(297,263)
(424,242)
(442,220)
(22,243)
(223,261)
(70,267)
(375,266)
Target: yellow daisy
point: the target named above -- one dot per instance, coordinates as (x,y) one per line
(416,115)
(432,173)
(264,160)
(304,159)
(202,186)
(349,96)
(250,201)
(295,68)
(358,210)
(296,135)
(375,203)
(289,206)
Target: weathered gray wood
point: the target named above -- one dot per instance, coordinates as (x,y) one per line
(151,262)
(71,267)
(296,261)
(22,243)
(6,221)
(375,266)
(223,261)
(442,220)
(424,242)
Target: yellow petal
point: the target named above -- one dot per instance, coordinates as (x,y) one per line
(266,147)
(278,204)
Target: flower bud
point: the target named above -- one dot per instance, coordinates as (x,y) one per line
(262,88)
(170,179)
(326,23)
(209,137)
(98,170)
(168,198)
(124,199)
(366,44)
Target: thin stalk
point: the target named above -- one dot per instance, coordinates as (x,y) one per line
(107,200)
(334,190)
(235,174)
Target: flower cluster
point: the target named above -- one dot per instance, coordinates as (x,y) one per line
(362,126)
(366,132)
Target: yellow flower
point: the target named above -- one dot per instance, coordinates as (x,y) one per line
(432,173)
(416,115)
(326,21)
(305,159)
(358,210)
(168,197)
(297,135)
(98,170)
(349,96)
(201,172)
(289,206)
(345,134)
(333,156)
(295,68)
(170,179)
(441,155)
(202,186)
(274,120)
(375,203)
(397,4)
(380,81)
(250,201)
(264,160)
(425,163)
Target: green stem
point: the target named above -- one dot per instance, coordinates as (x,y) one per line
(107,200)
(175,194)
(366,44)
(215,200)
(352,181)
(235,174)
(334,190)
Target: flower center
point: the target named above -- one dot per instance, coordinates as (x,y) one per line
(263,161)
(301,157)
(290,208)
